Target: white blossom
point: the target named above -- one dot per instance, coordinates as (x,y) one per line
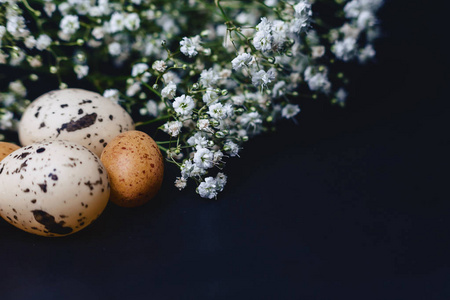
(133,89)
(18,88)
(30,42)
(203,124)
(159,66)
(209,78)
(263,78)
(180,183)
(15,25)
(290,111)
(114,49)
(263,37)
(152,108)
(251,119)
(98,33)
(49,8)
(173,128)
(208,188)
(198,140)
(231,148)
(140,69)
(221,181)
(366,53)
(169,91)
(190,46)
(117,22)
(241,61)
(341,96)
(112,94)
(217,111)
(204,158)
(69,24)
(183,105)
(210,96)
(81,70)
(132,21)
(43,42)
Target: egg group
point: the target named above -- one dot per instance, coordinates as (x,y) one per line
(135,167)
(52,188)
(76,115)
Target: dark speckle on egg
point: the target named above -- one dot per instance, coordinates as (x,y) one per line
(50,223)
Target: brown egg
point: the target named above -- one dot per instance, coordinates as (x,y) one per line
(6,149)
(135,167)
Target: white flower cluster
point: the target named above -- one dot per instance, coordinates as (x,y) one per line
(362,23)
(203,75)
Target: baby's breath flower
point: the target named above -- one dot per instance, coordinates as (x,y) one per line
(169,91)
(117,22)
(210,96)
(114,49)
(241,61)
(231,148)
(112,94)
(43,42)
(190,46)
(159,66)
(180,183)
(69,24)
(236,70)
(183,105)
(132,21)
(290,111)
(81,70)
(208,188)
(204,158)
(173,128)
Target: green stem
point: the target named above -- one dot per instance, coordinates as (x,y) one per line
(152,121)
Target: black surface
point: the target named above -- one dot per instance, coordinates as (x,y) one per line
(348,204)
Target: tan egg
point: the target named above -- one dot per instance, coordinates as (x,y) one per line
(6,149)
(135,167)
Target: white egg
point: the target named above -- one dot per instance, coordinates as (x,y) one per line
(52,188)
(77,115)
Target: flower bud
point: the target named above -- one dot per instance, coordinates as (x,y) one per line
(214,123)
(239,111)
(219,135)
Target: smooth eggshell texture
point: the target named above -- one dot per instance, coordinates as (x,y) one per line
(135,167)
(6,148)
(76,115)
(52,188)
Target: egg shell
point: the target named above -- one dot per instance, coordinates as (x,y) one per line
(52,188)
(76,115)
(6,148)
(135,167)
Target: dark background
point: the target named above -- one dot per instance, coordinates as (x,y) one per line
(347,204)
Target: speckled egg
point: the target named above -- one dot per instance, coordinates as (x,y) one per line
(135,167)
(6,148)
(76,115)
(52,188)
